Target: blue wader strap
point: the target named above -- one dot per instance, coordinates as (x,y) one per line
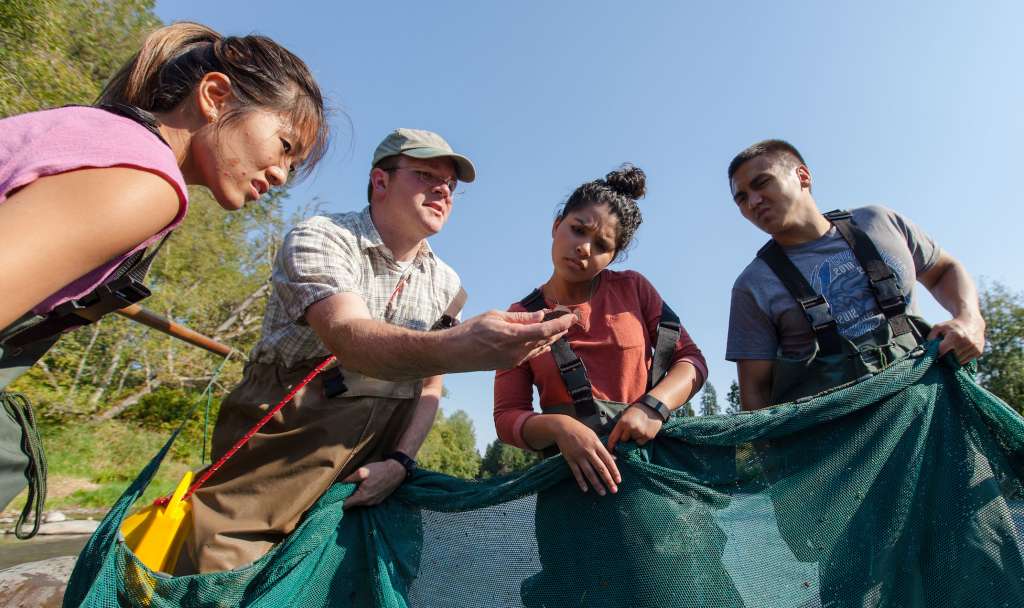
(883,281)
(814,305)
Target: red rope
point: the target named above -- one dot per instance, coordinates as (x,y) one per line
(213,468)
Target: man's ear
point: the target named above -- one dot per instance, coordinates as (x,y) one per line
(554,226)
(804,175)
(379,179)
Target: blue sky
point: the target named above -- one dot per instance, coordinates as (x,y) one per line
(917,106)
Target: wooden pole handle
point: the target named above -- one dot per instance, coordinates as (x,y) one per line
(151,319)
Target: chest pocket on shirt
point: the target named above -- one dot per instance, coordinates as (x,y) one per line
(626,330)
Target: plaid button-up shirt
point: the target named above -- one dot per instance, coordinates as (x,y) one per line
(338,253)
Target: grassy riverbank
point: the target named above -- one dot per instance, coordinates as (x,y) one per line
(90,465)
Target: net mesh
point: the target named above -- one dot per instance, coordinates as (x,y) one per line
(904,490)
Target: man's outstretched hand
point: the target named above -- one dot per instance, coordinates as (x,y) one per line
(502,340)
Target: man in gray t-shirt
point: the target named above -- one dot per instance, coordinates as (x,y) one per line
(771,185)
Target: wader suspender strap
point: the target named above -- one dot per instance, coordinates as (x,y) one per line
(814,305)
(125,286)
(570,366)
(884,283)
(574,373)
(665,347)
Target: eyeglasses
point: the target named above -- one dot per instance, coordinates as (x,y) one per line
(429,179)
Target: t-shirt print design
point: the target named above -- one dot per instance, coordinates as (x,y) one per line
(844,284)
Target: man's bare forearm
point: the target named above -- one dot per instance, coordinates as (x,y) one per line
(423,418)
(390,352)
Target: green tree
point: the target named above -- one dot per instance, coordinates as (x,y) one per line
(685,410)
(734,405)
(501,459)
(1001,368)
(450,447)
(709,400)
(58,52)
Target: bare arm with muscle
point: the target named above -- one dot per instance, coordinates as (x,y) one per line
(953,288)
(60,227)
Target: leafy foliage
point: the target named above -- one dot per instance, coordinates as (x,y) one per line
(450,447)
(58,52)
(1001,368)
(501,459)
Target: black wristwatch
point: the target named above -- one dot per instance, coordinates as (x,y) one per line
(408,463)
(660,408)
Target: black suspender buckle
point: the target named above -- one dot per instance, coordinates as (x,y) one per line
(333,382)
(838,215)
(818,312)
(574,374)
(106,298)
(445,322)
(670,325)
(890,296)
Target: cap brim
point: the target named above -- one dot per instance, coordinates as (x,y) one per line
(464,169)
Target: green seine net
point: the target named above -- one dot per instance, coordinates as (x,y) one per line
(904,490)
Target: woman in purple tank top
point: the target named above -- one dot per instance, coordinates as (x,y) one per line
(84,188)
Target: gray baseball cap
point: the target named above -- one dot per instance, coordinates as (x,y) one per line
(423,144)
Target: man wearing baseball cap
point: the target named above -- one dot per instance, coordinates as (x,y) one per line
(367,287)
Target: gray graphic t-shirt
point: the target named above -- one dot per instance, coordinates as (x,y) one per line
(765,321)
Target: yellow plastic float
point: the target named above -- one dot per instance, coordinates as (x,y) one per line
(155,534)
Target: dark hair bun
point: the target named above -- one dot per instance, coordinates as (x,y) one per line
(628,180)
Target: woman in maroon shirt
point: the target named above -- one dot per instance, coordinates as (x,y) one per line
(618,315)
(624,550)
